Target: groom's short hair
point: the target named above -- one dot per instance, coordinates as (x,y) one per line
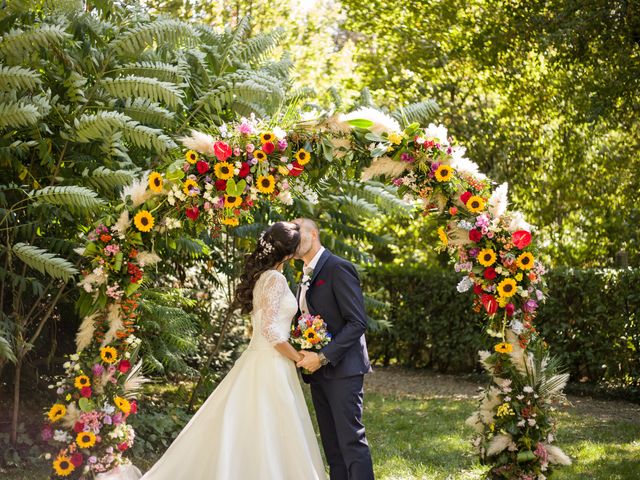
(307,222)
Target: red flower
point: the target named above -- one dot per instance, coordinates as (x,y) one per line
(268,147)
(202,167)
(453,211)
(245,169)
(465,196)
(76,459)
(124,366)
(489,273)
(192,212)
(296,170)
(221,185)
(510,308)
(85,392)
(134,272)
(521,239)
(78,427)
(490,303)
(222,151)
(475,235)
(123,446)
(477,288)
(105,237)
(134,407)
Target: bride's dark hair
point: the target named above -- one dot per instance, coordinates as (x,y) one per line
(276,243)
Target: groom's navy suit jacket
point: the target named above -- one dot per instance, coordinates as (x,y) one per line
(335,294)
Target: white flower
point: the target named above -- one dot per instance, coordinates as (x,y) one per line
(518,223)
(279,133)
(108,408)
(75,357)
(517,326)
(497,204)
(285,197)
(531,422)
(224,130)
(527,389)
(465,166)
(465,284)
(438,133)
(61,436)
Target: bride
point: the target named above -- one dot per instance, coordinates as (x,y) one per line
(255,425)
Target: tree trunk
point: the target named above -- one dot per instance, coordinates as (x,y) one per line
(16,401)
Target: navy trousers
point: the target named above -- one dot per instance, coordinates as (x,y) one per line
(338,404)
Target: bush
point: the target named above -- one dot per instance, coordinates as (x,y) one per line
(590,320)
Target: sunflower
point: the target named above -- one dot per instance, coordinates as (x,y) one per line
(260,155)
(231,201)
(108,354)
(486,257)
(223,170)
(266,184)
(503,347)
(57,412)
(475,204)
(443,236)
(155,182)
(63,466)
(310,335)
(525,261)
(444,173)
(190,187)
(143,221)
(122,403)
(192,156)
(267,137)
(230,221)
(86,439)
(303,156)
(507,287)
(82,381)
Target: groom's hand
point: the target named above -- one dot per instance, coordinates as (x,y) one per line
(311,361)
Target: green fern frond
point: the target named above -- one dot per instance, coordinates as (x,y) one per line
(6,352)
(18,114)
(77,199)
(152,89)
(147,137)
(420,112)
(44,262)
(16,44)
(148,112)
(245,109)
(355,206)
(18,78)
(257,47)
(384,196)
(163,32)
(109,180)
(160,70)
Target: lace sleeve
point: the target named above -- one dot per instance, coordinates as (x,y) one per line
(270,297)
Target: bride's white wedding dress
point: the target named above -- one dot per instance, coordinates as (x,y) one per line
(255,425)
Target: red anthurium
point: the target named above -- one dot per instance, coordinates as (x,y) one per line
(202,167)
(222,151)
(490,303)
(296,170)
(465,196)
(521,239)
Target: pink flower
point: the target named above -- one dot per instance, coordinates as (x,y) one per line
(245,128)
(249,147)
(237,152)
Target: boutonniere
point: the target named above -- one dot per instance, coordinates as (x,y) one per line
(306,279)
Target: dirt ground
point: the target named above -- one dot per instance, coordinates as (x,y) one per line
(426,384)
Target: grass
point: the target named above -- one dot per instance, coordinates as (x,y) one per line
(421,436)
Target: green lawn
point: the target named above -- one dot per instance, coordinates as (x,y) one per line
(422,436)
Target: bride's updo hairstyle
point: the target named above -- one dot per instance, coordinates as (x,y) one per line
(275,244)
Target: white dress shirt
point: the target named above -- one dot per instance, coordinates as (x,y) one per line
(306,278)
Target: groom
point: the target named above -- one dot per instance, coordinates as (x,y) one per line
(331,288)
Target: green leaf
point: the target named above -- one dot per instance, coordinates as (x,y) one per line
(44,262)
(360,123)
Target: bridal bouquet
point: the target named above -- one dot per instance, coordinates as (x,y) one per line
(309,333)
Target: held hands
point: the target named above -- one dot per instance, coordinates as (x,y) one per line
(310,361)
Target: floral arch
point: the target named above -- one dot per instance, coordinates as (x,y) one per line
(222,177)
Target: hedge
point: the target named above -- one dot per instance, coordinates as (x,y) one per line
(590,319)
